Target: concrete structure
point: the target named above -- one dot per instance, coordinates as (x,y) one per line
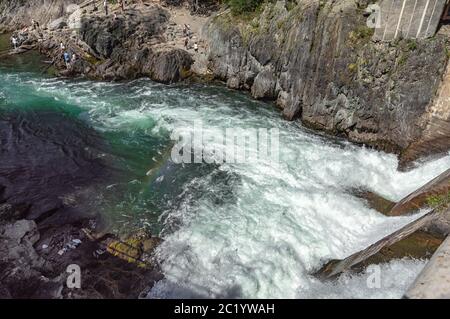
(414,19)
(434,280)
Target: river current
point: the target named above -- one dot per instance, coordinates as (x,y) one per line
(253,230)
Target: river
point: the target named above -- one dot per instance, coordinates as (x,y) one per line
(254,230)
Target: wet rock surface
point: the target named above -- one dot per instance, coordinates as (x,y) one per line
(46,202)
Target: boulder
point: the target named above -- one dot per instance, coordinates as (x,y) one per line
(264,85)
(168,66)
(57,24)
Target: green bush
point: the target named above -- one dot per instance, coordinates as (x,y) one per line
(241,6)
(439,201)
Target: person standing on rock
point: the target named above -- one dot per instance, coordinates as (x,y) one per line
(34,24)
(196,47)
(189,33)
(14,42)
(105,6)
(186,42)
(66,57)
(122,5)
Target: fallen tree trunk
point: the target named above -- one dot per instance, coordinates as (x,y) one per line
(336,267)
(418,199)
(17,51)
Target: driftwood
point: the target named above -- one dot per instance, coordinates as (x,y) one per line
(418,199)
(19,50)
(336,267)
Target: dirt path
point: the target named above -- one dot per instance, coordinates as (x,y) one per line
(176,36)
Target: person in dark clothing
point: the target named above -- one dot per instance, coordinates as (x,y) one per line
(66,57)
(34,24)
(105,6)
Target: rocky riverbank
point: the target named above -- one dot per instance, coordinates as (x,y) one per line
(120,45)
(318,62)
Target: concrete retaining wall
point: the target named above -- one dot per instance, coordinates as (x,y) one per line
(414,19)
(434,281)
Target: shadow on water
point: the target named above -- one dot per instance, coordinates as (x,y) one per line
(60,166)
(47,159)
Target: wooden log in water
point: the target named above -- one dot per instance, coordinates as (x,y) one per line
(17,51)
(418,199)
(336,267)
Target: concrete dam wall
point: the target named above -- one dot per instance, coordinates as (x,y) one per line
(411,19)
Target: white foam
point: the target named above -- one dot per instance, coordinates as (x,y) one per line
(282,222)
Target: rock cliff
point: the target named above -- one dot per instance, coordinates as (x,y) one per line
(317,60)
(120,45)
(16,14)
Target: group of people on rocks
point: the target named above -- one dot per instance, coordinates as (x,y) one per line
(188,35)
(19,37)
(120,2)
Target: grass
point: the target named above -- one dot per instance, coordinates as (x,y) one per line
(361,34)
(352,67)
(439,201)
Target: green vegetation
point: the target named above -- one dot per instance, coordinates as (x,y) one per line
(412,45)
(447,52)
(439,201)
(352,67)
(402,60)
(244,6)
(361,34)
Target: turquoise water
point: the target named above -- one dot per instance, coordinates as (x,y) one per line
(230,230)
